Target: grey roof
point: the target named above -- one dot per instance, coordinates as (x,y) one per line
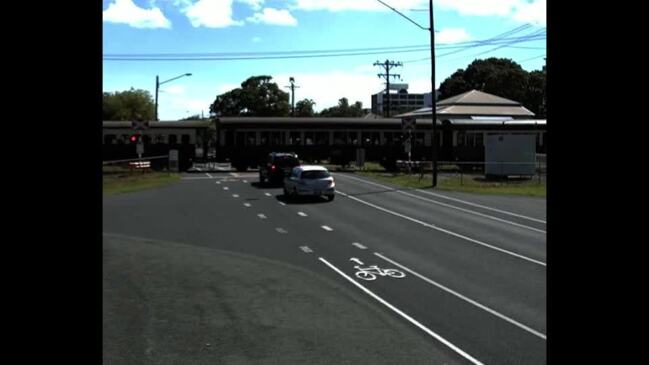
(474,97)
(161,124)
(473,103)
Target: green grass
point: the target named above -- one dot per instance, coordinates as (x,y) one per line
(121,181)
(465,183)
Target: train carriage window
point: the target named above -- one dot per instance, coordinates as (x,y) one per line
(251,138)
(294,138)
(309,138)
(109,139)
(184,139)
(340,138)
(146,139)
(375,138)
(160,138)
(240,139)
(479,142)
(277,138)
(366,139)
(173,139)
(470,139)
(264,138)
(321,138)
(419,139)
(460,139)
(353,136)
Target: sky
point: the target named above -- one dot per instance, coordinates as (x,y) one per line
(224,42)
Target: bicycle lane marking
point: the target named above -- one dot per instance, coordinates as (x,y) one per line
(401,313)
(466,299)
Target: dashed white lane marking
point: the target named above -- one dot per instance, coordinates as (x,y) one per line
(301,214)
(208,175)
(267,194)
(282,203)
(247,205)
(444,230)
(471,301)
(199,169)
(226,188)
(306,249)
(261,216)
(234,174)
(402,314)
(235,195)
(327,228)
(281,230)
(218,182)
(359,245)
(245,181)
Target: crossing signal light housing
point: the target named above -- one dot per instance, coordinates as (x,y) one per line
(135,138)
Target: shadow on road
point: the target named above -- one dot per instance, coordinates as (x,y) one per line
(301,199)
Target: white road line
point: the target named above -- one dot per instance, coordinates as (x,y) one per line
(234,174)
(306,249)
(281,230)
(245,181)
(235,195)
(199,169)
(452,206)
(218,182)
(483,207)
(302,214)
(282,203)
(471,301)
(444,230)
(261,216)
(327,228)
(208,175)
(226,188)
(402,314)
(267,194)
(359,245)
(247,205)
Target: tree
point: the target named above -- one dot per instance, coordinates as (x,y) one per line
(128,105)
(344,110)
(304,108)
(257,96)
(502,77)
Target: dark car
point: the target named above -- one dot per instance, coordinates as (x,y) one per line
(276,167)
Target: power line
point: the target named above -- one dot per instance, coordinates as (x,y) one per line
(398,12)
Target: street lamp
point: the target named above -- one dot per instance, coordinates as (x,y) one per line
(157,86)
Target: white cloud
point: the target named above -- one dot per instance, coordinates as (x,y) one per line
(254,4)
(174,89)
(327,88)
(533,13)
(223,88)
(273,17)
(365,5)
(210,13)
(452,35)
(124,11)
(479,7)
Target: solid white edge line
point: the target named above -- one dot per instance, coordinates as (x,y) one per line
(471,301)
(282,203)
(444,230)
(458,208)
(402,314)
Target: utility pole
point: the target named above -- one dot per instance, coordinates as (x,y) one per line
(292,87)
(387,65)
(433,96)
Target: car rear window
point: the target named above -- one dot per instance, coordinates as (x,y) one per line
(284,161)
(315,174)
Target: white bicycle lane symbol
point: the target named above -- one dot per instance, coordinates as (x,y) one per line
(372,271)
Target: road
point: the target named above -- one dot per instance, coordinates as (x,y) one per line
(473,288)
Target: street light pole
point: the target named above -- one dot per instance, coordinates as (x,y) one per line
(157,87)
(433,95)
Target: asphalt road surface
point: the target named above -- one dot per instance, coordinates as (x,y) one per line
(217,269)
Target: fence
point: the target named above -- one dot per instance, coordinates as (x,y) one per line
(477,168)
(145,164)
